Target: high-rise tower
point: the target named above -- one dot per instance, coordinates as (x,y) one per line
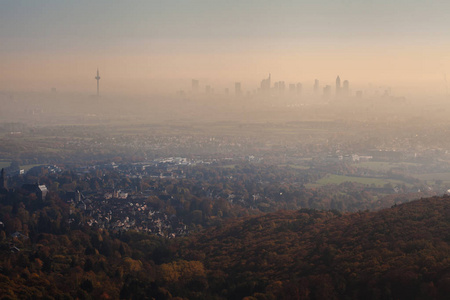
(338,86)
(265,84)
(327,91)
(195,85)
(299,88)
(237,89)
(345,88)
(98,79)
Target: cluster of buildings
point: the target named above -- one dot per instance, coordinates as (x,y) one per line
(340,90)
(40,190)
(122,213)
(279,87)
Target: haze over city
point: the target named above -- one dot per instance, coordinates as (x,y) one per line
(149,47)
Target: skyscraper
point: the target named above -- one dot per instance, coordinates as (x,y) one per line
(281,86)
(345,88)
(359,94)
(327,91)
(292,88)
(338,86)
(316,86)
(194,85)
(265,84)
(237,89)
(299,88)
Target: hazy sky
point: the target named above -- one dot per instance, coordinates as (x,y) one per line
(139,45)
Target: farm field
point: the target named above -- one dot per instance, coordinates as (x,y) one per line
(385,166)
(4,164)
(338,179)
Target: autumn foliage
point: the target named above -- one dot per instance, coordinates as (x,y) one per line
(398,253)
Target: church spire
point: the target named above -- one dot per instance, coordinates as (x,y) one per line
(3,180)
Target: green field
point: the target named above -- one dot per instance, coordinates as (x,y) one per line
(295,166)
(434,176)
(27,167)
(338,179)
(384,166)
(232,166)
(4,164)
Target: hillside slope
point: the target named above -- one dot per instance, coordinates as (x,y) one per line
(397,253)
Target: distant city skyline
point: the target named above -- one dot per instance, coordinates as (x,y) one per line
(147,46)
(279,87)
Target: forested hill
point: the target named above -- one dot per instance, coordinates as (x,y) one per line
(397,253)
